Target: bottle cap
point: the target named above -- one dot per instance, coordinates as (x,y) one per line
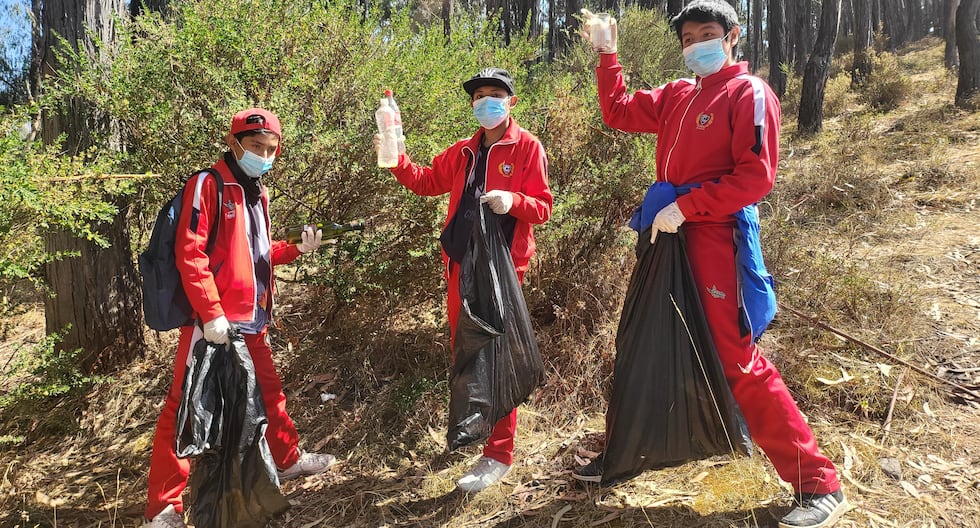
(387,93)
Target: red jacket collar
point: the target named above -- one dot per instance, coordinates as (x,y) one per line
(227,173)
(725,74)
(511,135)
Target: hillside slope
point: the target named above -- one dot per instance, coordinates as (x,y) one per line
(873,227)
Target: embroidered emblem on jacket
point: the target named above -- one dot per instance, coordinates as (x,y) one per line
(229,209)
(716,293)
(506,169)
(705,120)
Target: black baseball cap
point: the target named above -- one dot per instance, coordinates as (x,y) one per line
(490,77)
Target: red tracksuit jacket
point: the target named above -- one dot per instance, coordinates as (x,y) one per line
(517,163)
(224,282)
(714,131)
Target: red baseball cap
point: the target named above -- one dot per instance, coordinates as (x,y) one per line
(256,119)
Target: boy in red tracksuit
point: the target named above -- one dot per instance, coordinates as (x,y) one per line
(231,285)
(504,166)
(718,139)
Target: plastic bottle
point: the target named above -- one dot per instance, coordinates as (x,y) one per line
(601,32)
(388,153)
(294,235)
(398,121)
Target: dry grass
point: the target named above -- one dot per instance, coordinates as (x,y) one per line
(872,227)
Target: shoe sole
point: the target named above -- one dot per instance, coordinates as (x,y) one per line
(829,521)
(301,474)
(477,487)
(466,489)
(587,478)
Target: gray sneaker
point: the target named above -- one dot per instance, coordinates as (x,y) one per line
(307,464)
(815,510)
(168,518)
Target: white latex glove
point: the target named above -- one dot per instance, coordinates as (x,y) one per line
(310,241)
(499,201)
(667,220)
(590,22)
(217,331)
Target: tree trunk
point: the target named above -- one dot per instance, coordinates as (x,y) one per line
(937,17)
(571,27)
(968,46)
(96,293)
(861,69)
(916,29)
(894,23)
(804,24)
(447,16)
(756,58)
(552,31)
(877,23)
(790,8)
(777,47)
(845,28)
(817,70)
(674,7)
(951,60)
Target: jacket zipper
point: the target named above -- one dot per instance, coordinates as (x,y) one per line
(680,125)
(473,169)
(251,257)
(473,154)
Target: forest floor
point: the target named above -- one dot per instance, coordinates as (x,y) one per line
(93,473)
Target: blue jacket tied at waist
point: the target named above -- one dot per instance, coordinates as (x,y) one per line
(756,291)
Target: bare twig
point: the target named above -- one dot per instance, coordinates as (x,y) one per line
(102,177)
(891,406)
(920,370)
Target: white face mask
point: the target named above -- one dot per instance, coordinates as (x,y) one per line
(491,111)
(706,58)
(253,165)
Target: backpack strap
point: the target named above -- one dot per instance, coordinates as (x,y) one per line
(219,185)
(213,234)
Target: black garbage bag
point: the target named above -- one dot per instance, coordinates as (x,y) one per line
(497,363)
(670,401)
(221,423)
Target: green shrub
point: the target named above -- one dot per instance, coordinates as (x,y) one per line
(790,101)
(41,189)
(887,86)
(176,82)
(43,371)
(837,95)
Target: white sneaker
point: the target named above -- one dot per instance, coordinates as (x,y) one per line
(308,464)
(168,518)
(484,473)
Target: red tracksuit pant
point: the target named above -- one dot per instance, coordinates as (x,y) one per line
(500,444)
(774,420)
(168,474)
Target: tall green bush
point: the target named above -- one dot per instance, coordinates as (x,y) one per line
(322,69)
(41,189)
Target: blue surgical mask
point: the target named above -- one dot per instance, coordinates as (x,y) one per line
(706,58)
(490,111)
(253,165)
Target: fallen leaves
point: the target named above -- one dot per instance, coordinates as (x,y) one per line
(845,377)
